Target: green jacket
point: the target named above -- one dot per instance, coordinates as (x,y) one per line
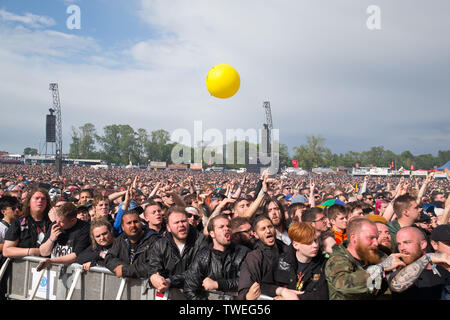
(347,278)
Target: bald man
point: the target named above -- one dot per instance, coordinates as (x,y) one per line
(425,274)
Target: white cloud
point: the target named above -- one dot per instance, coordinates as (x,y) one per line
(29,19)
(317,63)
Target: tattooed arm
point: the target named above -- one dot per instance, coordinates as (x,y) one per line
(392,262)
(406,277)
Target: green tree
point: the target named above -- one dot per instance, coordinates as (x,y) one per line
(313,154)
(443,157)
(127,144)
(30,151)
(425,161)
(159,148)
(87,141)
(74,152)
(110,143)
(285,159)
(141,142)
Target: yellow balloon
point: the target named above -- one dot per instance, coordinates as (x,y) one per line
(223,81)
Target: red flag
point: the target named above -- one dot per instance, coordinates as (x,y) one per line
(295,163)
(412,167)
(357,165)
(371,166)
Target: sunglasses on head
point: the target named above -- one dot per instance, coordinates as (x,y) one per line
(190,215)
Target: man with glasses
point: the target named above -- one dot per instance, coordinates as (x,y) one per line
(287,192)
(194,218)
(242,232)
(167,199)
(317,219)
(368,198)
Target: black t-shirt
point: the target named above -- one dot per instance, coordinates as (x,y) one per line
(75,239)
(29,232)
(301,267)
(427,287)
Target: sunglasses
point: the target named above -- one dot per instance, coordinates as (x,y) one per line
(190,215)
(321,219)
(244,231)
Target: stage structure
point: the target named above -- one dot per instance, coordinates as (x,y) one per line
(58,134)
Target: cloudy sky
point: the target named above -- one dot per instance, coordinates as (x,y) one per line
(144,63)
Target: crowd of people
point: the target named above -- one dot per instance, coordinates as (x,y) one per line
(190,233)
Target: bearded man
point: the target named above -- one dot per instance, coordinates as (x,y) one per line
(384,238)
(357,269)
(425,274)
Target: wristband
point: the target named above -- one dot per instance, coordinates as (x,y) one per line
(375,277)
(51,240)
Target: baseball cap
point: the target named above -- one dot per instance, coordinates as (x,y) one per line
(441,233)
(191,209)
(299,199)
(184,192)
(86,205)
(288,197)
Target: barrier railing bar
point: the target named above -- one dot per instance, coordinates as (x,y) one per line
(4,266)
(78,269)
(33,293)
(74,283)
(102,286)
(121,289)
(27,271)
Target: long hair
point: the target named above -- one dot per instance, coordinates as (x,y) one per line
(26,203)
(280,206)
(99,222)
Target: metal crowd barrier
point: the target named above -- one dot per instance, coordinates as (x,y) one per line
(71,282)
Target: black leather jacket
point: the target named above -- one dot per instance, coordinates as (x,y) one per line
(258,267)
(223,267)
(166,259)
(119,254)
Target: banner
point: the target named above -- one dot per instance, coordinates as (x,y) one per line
(157,164)
(177,166)
(196,166)
(295,163)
